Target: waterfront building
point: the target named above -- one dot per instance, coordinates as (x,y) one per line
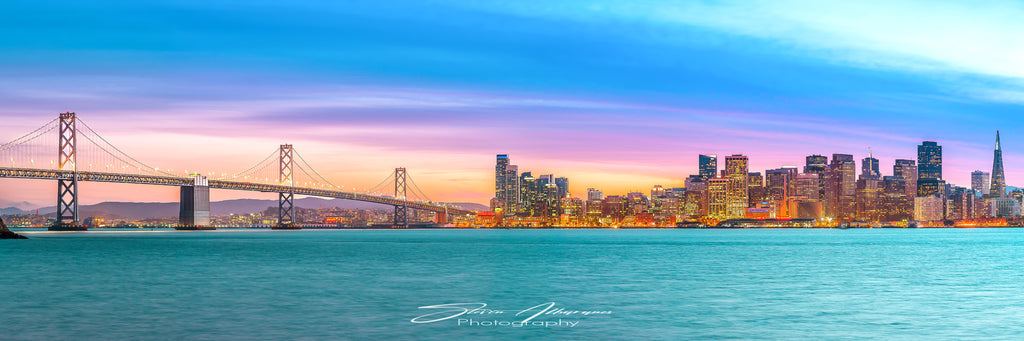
(613,206)
(868,198)
(736,167)
(998,187)
(708,164)
(780,183)
(895,204)
(929,208)
(1004,208)
(840,194)
(716,198)
(960,204)
(573,212)
(980,182)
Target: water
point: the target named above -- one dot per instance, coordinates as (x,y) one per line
(658,284)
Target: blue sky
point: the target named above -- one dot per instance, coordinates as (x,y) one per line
(619,95)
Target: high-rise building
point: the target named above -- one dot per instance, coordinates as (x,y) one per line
(907,170)
(998,187)
(499,179)
(780,183)
(840,193)
(960,204)
(716,198)
(736,167)
(807,186)
(929,160)
(895,203)
(869,167)
(931,186)
(869,190)
(928,208)
(657,192)
(695,183)
(980,182)
(527,195)
(594,194)
(563,187)
(512,191)
(756,192)
(708,164)
(818,164)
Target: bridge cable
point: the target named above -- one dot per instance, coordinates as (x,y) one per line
(301,159)
(236,175)
(87,127)
(424,195)
(13,143)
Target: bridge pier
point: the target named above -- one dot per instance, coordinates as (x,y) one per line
(194,207)
(440,217)
(67,189)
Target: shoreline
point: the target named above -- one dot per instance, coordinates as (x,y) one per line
(43,230)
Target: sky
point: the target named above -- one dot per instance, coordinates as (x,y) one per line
(615,95)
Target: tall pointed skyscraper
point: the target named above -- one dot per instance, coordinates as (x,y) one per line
(998,189)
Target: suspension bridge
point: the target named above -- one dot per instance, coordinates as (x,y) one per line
(284,171)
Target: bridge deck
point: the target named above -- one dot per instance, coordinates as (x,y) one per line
(45,174)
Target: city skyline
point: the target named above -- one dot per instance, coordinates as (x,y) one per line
(612,95)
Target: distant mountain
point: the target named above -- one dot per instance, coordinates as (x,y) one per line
(136,210)
(12,211)
(472,206)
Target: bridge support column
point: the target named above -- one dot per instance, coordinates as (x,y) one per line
(194,212)
(401,217)
(67,188)
(441,218)
(286,200)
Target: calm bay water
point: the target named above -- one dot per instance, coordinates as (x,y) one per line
(658,284)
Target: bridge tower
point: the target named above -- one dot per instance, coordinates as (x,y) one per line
(67,187)
(401,219)
(286,200)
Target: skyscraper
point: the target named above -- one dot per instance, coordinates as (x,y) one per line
(563,187)
(841,188)
(736,167)
(980,182)
(907,170)
(512,200)
(716,198)
(998,188)
(869,167)
(755,189)
(499,179)
(708,164)
(929,160)
(818,164)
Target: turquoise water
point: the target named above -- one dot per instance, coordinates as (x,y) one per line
(657,284)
